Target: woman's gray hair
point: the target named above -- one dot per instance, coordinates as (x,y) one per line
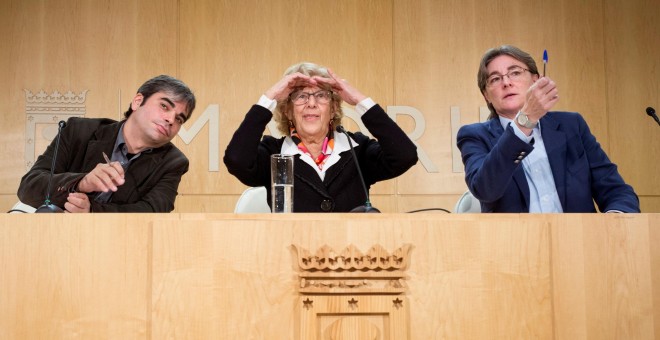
(284,107)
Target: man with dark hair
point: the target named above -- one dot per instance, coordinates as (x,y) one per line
(526,158)
(128,166)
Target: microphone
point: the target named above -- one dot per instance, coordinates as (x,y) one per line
(651,112)
(366,208)
(48,207)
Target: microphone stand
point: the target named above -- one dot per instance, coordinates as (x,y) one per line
(366,208)
(49,207)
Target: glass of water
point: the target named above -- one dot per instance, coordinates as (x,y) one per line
(281,176)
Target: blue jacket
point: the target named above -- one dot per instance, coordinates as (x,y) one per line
(582,171)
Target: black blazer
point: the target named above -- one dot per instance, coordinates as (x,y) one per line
(341,190)
(151,180)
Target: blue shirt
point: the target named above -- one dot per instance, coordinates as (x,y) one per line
(119,154)
(543,197)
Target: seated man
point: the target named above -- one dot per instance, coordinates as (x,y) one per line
(107,166)
(526,158)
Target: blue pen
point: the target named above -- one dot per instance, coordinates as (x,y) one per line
(545,60)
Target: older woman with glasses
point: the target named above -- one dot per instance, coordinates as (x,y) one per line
(306,106)
(526,158)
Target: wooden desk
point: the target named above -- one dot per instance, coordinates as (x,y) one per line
(226,276)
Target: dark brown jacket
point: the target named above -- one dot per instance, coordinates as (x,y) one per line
(151,180)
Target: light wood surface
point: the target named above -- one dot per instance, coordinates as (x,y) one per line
(202,276)
(421,54)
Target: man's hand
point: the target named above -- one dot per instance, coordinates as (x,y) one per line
(77,202)
(103,178)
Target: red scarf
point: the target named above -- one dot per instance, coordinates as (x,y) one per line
(326,149)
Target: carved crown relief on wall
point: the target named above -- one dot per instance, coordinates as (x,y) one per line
(43,111)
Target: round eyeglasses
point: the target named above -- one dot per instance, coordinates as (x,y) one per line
(322,97)
(514,74)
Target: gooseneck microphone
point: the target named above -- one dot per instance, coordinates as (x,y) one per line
(366,208)
(651,112)
(48,207)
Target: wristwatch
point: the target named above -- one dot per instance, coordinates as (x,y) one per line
(523,119)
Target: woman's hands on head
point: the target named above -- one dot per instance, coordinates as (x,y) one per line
(347,92)
(283,88)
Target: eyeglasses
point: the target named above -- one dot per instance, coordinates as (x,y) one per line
(322,97)
(514,74)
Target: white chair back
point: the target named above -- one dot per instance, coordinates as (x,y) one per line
(21,207)
(252,200)
(467,204)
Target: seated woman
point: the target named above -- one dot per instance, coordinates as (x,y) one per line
(306,105)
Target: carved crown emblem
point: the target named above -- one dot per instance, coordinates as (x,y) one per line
(55,103)
(352,271)
(351,258)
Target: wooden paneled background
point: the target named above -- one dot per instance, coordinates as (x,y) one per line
(422,54)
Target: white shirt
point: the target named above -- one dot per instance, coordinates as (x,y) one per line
(341,142)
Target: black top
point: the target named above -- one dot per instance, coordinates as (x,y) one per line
(341,190)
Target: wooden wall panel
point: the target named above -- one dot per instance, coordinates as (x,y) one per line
(235,51)
(108,48)
(633,83)
(423,54)
(649,203)
(438,46)
(428,81)
(11,131)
